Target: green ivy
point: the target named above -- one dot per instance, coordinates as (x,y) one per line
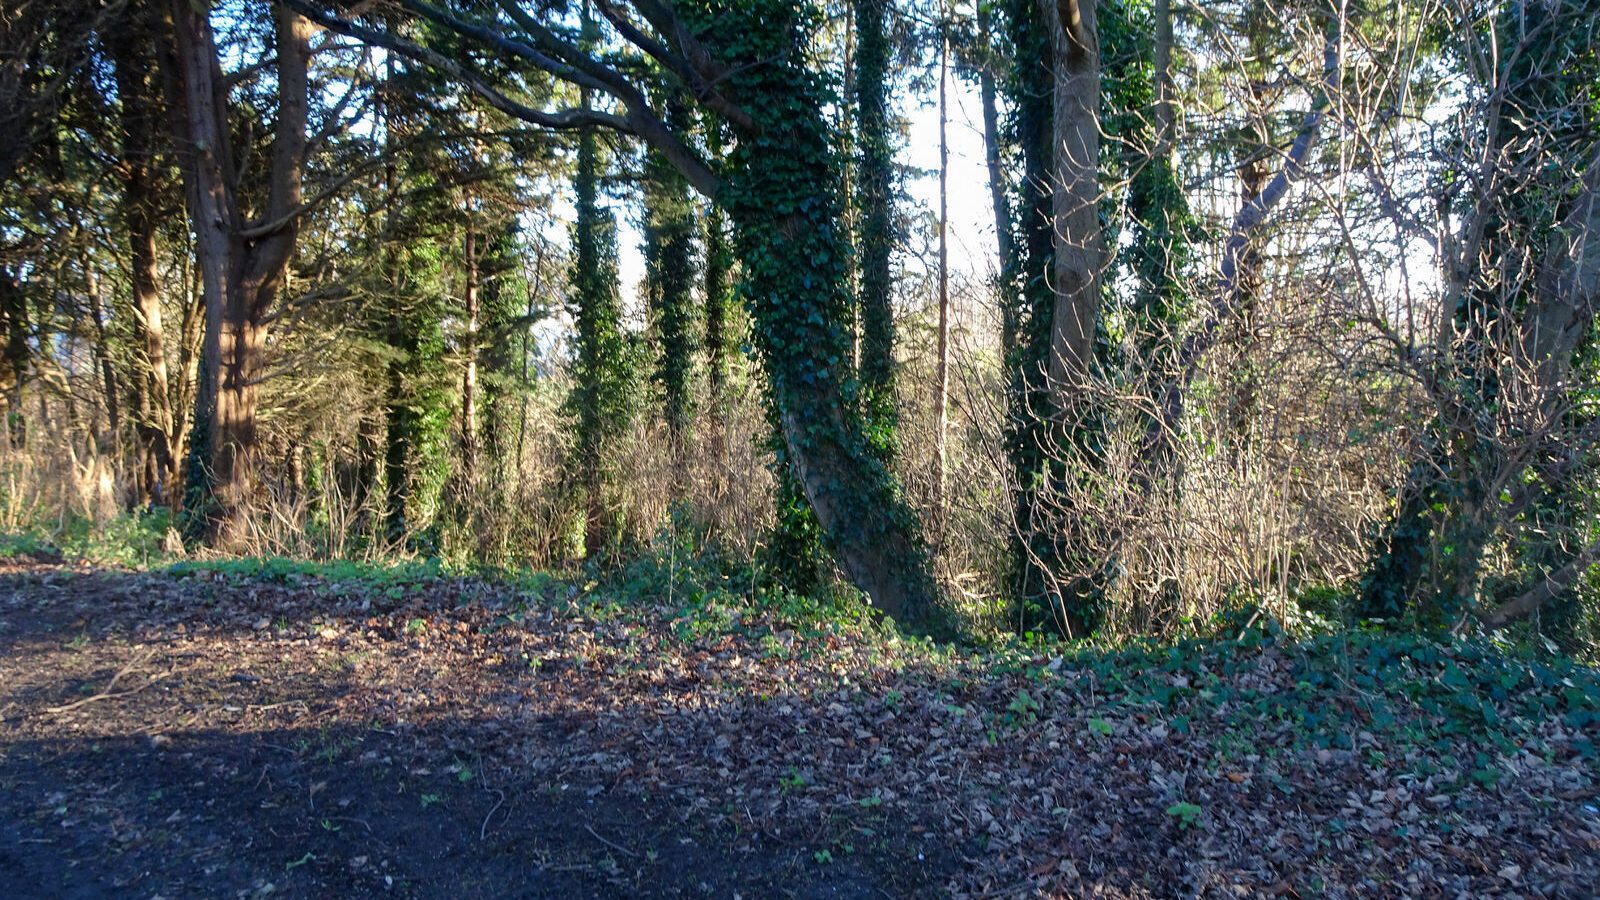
(599,405)
(874,194)
(782,192)
(669,278)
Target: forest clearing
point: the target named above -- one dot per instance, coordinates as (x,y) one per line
(810,448)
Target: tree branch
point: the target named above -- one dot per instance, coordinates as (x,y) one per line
(578,68)
(698,69)
(1548,587)
(565,119)
(1249,220)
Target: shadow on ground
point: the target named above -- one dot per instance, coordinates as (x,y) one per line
(338,813)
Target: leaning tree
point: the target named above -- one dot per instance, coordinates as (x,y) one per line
(745,66)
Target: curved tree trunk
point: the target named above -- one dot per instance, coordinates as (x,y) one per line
(781,194)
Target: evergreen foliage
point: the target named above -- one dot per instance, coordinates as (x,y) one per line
(599,404)
(874,191)
(670,275)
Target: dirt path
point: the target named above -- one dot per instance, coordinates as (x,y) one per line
(211,736)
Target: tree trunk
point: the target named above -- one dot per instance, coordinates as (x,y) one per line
(669,216)
(1031,403)
(398,439)
(108,373)
(132,49)
(1079,244)
(997,189)
(874,174)
(243,264)
(1165,116)
(1503,380)
(1449,487)
(795,261)
(598,398)
(469,378)
(14,311)
(1241,407)
(941,398)
(156,426)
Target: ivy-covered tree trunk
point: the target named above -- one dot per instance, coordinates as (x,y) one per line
(718,296)
(470,292)
(505,293)
(598,403)
(670,275)
(1145,286)
(14,317)
(781,193)
(1030,403)
(417,401)
(1154,249)
(874,197)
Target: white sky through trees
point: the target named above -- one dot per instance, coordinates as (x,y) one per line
(972,238)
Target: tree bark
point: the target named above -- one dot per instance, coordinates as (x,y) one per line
(131,48)
(988,94)
(110,385)
(469,378)
(243,264)
(1165,115)
(874,197)
(941,399)
(1075,206)
(18,328)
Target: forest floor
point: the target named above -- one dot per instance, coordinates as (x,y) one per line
(214,733)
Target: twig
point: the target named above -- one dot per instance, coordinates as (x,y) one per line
(361,822)
(107,693)
(617,847)
(484,831)
(264,707)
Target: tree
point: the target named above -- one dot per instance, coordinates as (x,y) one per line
(159,422)
(941,396)
(1524,283)
(745,67)
(718,295)
(242,258)
(508,313)
(1079,251)
(874,192)
(599,401)
(670,271)
(1030,402)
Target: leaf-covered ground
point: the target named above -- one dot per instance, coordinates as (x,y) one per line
(226,733)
